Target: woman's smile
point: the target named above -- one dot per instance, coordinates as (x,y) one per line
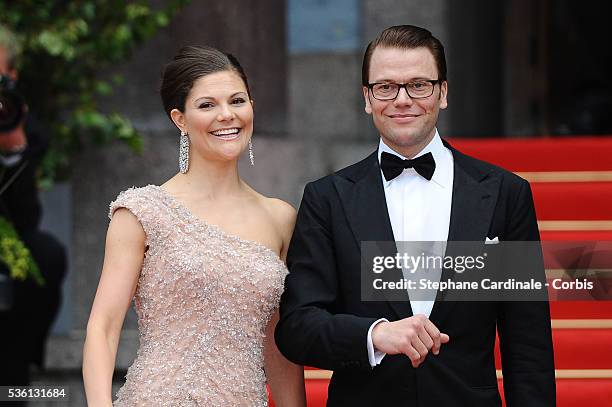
(227,134)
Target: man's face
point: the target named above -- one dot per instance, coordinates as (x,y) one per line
(12,139)
(405,124)
(4,65)
(4,68)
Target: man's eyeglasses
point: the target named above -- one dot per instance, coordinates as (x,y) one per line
(420,89)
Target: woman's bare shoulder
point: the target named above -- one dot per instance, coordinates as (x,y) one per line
(280,212)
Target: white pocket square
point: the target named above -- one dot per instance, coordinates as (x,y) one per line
(495,240)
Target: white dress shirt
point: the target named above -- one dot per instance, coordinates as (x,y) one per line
(419,210)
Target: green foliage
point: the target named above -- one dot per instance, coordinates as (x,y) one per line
(16,255)
(65,45)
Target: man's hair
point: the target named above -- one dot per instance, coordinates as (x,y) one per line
(9,41)
(405,37)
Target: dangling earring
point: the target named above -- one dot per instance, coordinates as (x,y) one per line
(251,156)
(184,153)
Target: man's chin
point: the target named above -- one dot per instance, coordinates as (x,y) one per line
(404,140)
(408,144)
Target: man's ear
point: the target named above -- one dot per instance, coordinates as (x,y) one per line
(366,98)
(12,73)
(179,119)
(443,94)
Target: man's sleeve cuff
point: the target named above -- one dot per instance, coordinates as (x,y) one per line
(374,356)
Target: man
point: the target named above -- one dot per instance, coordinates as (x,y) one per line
(411,353)
(26,322)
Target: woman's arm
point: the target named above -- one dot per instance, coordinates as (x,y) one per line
(123,258)
(285,378)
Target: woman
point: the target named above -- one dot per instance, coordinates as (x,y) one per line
(201,256)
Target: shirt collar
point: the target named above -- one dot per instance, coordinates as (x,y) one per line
(435,147)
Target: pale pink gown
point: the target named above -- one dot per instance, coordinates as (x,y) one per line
(204,298)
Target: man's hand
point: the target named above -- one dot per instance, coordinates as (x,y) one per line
(414,337)
(13,140)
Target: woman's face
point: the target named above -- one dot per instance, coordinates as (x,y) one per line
(218,116)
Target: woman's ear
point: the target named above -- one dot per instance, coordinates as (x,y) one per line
(179,119)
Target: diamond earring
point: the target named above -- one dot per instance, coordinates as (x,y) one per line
(251,156)
(184,153)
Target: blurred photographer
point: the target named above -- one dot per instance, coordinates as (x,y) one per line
(25,318)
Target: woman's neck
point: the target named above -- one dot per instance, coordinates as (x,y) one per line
(210,179)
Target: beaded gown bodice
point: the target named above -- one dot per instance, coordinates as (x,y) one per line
(203,300)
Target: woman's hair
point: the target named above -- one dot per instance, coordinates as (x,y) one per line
(190,64)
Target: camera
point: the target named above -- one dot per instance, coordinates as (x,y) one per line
(12,105)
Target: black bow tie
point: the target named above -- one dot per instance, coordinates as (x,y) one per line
(392,165)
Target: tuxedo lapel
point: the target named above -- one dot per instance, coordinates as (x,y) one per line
(364,202)
(363,198)
(472,205)
(474,198)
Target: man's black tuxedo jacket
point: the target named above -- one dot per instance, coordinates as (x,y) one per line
(324,324)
